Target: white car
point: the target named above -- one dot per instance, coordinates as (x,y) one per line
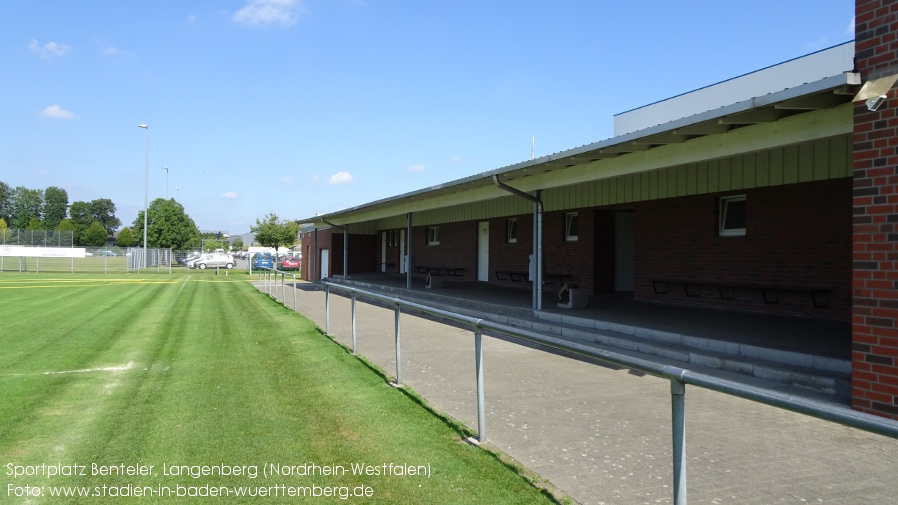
(214,260)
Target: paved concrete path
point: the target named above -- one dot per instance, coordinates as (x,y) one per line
(602,434)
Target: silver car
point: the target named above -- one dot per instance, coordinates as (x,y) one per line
(214,260)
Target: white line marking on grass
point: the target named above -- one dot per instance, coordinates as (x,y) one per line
(119,368)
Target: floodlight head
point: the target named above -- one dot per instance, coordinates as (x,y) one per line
(875,103)
(143,126)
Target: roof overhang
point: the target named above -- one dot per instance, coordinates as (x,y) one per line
(827,93)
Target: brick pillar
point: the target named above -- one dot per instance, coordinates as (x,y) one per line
(875,256)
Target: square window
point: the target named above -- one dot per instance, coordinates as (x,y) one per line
(433,235)
(571,220)
(732,216)
(511,231)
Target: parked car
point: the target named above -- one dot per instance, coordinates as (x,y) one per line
(190,258)
(214,260)
(107,252)
(289,263)
(262,260)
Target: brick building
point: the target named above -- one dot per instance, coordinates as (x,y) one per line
(772,192)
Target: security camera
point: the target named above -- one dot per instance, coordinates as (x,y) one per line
(875,103)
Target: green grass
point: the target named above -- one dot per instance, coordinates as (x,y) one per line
(196,369)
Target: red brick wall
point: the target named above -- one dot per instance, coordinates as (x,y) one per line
(570,258)
(457,248)
(796,235)
(875,315)
(511,257)
(311,258)
(559,256)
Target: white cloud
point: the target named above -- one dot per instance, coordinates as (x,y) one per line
(229,195)
(48,50)
(114,51)
(314,179)
(416,168)
(340,178)
(57,112)
(265,12)
(287,180)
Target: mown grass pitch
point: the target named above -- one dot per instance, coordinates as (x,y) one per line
(151,387)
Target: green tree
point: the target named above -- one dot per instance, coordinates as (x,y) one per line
(5,234)
(103,210)
(167,226)
(80,215)
(272,232)
(95,235)
(126,238)
(5,202)
(26,204)
(34,224)
(237,244)
(56,203)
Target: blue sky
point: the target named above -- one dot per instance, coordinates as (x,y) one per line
(299,107)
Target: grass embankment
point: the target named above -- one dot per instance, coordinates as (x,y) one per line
(200,373)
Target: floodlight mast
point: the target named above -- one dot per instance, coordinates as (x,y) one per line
(146,181)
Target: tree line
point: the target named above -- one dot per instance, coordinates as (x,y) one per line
(93,223)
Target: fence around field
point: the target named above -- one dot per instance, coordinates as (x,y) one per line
(269,281)
(68,259)
(37,238)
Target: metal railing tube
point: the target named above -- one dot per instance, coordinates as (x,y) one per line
(478,370)
(355,343)
(327,309)
(678,437)
(820,410)
(398,346)
(294,292)
(284,288)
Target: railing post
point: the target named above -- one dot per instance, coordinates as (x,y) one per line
(327,309)
(355,347)
(294,292)
(284,289)
(398,347)
(478,359)
(678,423)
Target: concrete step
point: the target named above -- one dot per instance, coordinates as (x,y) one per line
(828,376)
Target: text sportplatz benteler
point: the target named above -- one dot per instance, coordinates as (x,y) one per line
(268,470)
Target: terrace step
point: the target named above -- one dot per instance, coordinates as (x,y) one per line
(820,376)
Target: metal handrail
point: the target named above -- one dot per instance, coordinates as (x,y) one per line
(677,376)
(860,420)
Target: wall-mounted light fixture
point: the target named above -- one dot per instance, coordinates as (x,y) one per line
(874,92)
(875,103)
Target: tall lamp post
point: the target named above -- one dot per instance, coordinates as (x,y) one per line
(146,180)
(166,182)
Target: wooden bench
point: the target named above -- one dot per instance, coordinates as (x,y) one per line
(518,276)
(512,275)
(450,271)
(727,290)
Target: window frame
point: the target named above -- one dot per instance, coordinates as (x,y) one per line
(571,217)
(433,235)
(724,209)
(511,231)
